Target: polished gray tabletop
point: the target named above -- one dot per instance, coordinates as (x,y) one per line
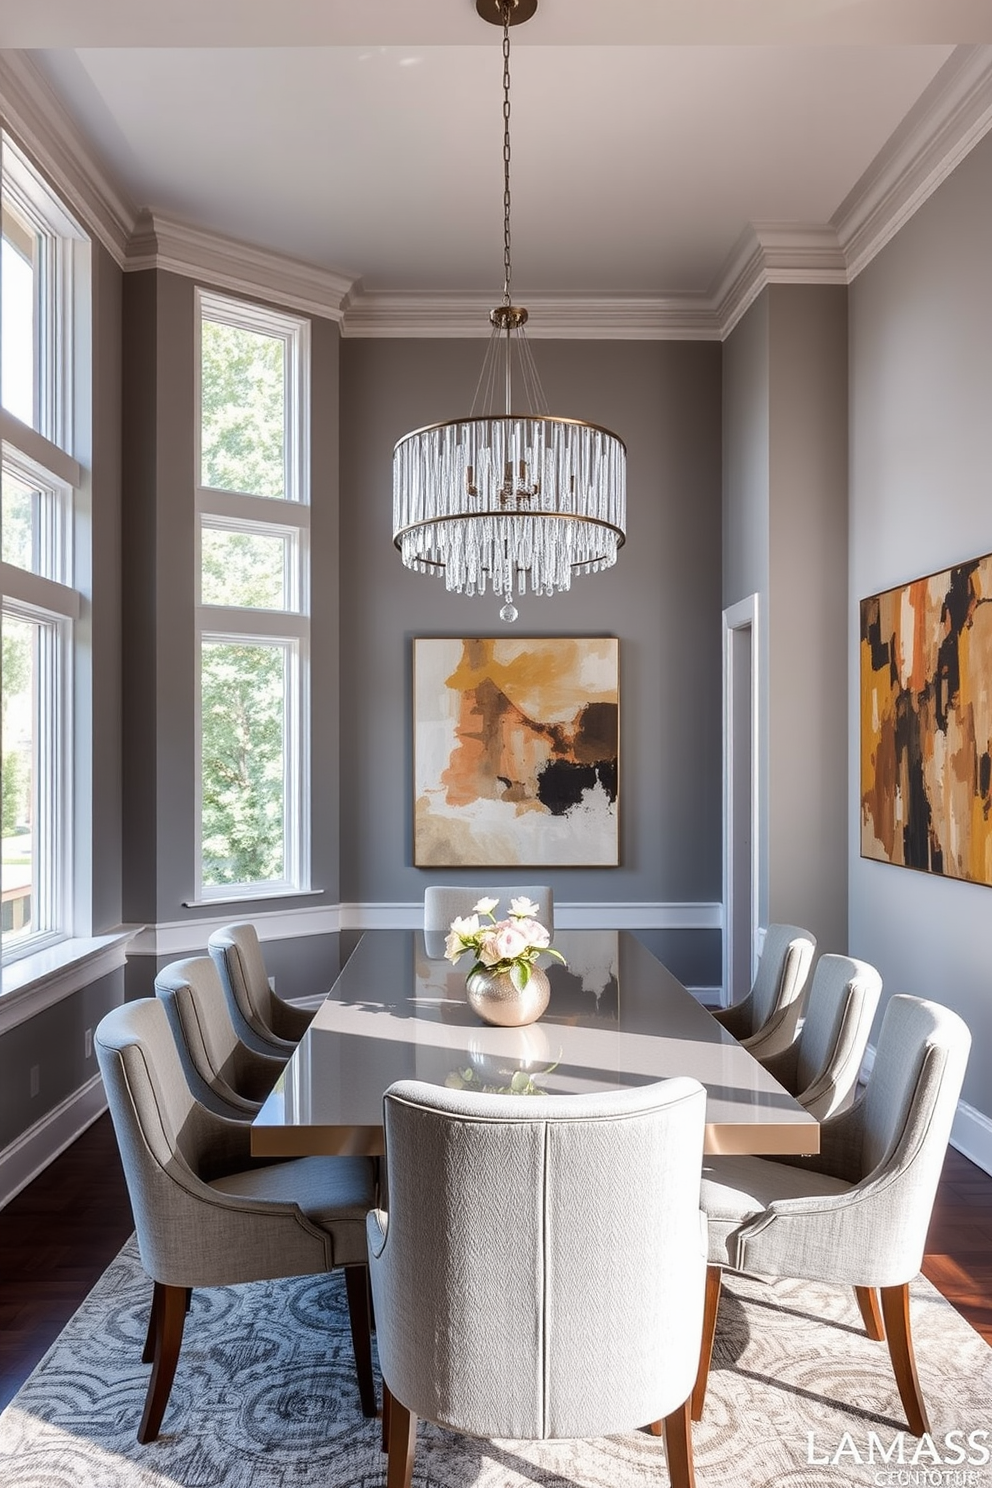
(616,1017)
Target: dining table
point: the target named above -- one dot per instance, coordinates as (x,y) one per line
(616,1017)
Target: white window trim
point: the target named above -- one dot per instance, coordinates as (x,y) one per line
(295,332)
(52,892)
(44,456)
(291,633)
(288,517)
(296,564)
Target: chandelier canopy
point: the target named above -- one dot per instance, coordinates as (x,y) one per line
(506,499)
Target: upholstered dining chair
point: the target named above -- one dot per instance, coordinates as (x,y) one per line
(224,1074)
(765,1020)
(263,1020)
(516,1292)
(205,1214)
(856,1214)
(442,902)
(821,1066)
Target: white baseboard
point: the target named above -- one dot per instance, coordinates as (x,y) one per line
(971,1134)
(34,1149)
(181,937)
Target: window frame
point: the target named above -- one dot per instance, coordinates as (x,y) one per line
(288,518)
(40,454)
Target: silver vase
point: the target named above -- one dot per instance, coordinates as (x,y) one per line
(494,997)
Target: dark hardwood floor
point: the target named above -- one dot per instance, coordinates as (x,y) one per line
(61,1232)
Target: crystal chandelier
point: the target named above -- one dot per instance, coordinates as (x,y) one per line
(504,499)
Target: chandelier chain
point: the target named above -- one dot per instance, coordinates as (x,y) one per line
(507,8)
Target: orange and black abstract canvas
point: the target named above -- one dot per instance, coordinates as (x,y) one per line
(926,723)
(516,745)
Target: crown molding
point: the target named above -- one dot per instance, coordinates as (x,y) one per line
(948,120)
(160,242)
(35,115)
(552,317)
(951,116)
(774,253)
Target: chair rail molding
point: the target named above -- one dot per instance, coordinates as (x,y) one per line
(180,937)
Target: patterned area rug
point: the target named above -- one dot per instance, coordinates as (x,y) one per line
(265,1397)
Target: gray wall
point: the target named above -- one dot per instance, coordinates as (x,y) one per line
(160,661)
(807,610)
(785,539)
(921,453)
(662,600)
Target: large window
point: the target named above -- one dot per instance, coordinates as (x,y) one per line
(253,577)
(43,283)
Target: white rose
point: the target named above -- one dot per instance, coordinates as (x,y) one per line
(522,908)
(486,906)
(466,927)
(454,946)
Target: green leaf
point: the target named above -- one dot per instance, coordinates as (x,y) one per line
(519,1082)
(520,974)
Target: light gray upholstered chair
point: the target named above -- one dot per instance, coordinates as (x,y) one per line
(224,1074)
(263,1020)
(442,902)
(821,1067)
(857,1214)
(205,1214)
(765,1020)
(518,1292)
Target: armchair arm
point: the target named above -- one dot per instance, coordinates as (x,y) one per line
(256,1073)
(777,1033)
(869,1236)
(736,1019)
(783,1065)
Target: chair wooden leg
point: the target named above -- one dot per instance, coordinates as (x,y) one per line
(148,1352)
(168,1317)
(870,1314)
(386,1397)
(711,1306)
(402,1445)
(356,1281)
(895,1311)
(678,1447)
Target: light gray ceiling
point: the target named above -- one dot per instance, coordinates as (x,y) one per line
(647,134)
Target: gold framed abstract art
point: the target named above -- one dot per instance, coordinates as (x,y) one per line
(516,747)
(926,723)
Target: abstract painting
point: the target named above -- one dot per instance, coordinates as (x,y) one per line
(515,752)
(926,723)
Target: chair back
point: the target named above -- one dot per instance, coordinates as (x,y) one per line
(442,902)
(839,1009)
(161,1130)
(786,958)
(237,955)
(521,1290)
(912,1094)
(210,1051)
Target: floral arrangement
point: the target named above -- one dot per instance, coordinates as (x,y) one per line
(511,945)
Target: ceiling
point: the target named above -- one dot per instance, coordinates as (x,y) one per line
(366,139)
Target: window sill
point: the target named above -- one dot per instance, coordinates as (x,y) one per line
(252,897)
(38,981)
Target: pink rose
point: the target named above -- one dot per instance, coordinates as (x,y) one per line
(534,933)
(508,942)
